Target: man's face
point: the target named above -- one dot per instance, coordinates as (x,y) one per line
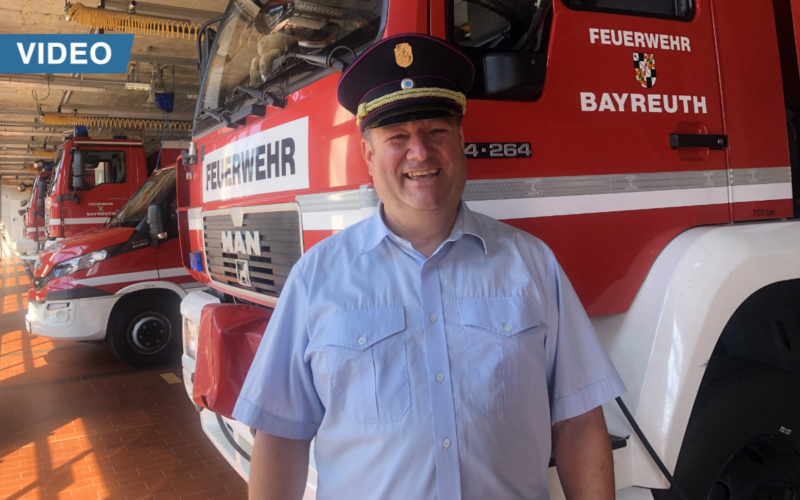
(417,166)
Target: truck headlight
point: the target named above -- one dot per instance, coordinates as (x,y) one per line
(190,338)
(79,263)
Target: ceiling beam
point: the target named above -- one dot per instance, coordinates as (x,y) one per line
(40,82)
(4,156)
(164,60)
(31,134)
(79,109)
(4,143)
(195,16)
(12,124)
(68,83)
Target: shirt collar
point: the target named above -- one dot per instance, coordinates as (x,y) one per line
(466,223)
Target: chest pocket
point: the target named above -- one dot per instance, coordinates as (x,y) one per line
(505,351)
(367,365)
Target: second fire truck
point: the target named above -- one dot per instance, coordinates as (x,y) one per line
(120,283)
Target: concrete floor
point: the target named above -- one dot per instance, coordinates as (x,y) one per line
(77,423)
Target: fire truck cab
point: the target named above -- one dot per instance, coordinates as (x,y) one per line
(122,282)
(651,144)
(34,233)
(95,177)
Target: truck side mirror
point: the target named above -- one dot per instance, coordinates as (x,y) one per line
(513,76)
(21,212)
(41,192)
(23,203)
(156,223)
(78,168)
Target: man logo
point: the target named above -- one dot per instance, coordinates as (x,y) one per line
(243,272)
(644,66)
(235,242)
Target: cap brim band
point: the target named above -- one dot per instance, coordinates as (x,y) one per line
(415,94)
(403,112)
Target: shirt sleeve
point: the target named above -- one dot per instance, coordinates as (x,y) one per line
(580,376)
(278,396)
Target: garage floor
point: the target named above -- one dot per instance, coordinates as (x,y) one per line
(77,423)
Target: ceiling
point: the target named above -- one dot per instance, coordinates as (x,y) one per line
(167,62)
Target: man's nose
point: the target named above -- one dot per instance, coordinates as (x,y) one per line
(419,147)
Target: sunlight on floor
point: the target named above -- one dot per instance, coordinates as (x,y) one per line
(10,304)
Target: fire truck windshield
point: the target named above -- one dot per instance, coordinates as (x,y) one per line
(159,185)
(255,43)
(56,169)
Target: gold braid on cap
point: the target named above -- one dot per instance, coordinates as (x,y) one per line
(365,108)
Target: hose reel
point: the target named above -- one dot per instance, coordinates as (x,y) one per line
(108,122)
(124,22)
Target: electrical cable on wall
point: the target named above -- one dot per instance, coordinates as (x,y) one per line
(130,23)
(108,122)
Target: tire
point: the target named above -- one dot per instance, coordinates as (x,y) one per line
(743,438)
(145,330)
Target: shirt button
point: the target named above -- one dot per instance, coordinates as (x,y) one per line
(362,340)
(433,318)
(439,377)
(446,443)
(507,328)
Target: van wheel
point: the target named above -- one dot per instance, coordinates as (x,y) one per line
(145,331)
(743,438)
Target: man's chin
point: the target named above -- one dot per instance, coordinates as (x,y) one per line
(430,205)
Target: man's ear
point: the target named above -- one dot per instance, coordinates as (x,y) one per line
(366,151)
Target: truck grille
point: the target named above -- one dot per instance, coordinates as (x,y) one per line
(279,240)
(39,283)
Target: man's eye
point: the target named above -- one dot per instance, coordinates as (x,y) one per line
(396,137)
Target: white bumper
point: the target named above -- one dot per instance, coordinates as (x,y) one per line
(25,247)
(83,319)
(191,309)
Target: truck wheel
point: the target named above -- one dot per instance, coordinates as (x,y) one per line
(743,438)
(145,331)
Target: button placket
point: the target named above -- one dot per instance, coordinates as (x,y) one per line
(441,394)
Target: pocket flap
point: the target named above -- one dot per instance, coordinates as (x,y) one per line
(504,315)
(362,328)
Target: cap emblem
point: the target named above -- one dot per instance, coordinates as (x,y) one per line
(407,83)
(403,55)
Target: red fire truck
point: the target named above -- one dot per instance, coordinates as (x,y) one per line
(651,144)
(122,282)
(35,235)
(93,178)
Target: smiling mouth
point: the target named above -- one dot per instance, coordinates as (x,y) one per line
(423,175)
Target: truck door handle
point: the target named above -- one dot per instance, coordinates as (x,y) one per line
(698,141)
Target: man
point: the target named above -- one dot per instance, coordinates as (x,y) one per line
(433,352)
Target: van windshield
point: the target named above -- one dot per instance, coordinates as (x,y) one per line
(255,41)
(154,189)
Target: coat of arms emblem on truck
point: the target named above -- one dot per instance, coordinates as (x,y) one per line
(644,65)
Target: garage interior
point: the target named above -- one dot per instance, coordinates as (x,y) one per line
(77,422)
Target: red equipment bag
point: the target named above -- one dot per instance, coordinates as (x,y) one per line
(227,343)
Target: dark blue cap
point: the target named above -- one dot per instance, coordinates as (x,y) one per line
(404,78)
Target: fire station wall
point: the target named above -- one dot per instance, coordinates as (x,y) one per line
(12,221)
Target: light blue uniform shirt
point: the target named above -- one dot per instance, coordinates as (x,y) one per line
(432,378)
